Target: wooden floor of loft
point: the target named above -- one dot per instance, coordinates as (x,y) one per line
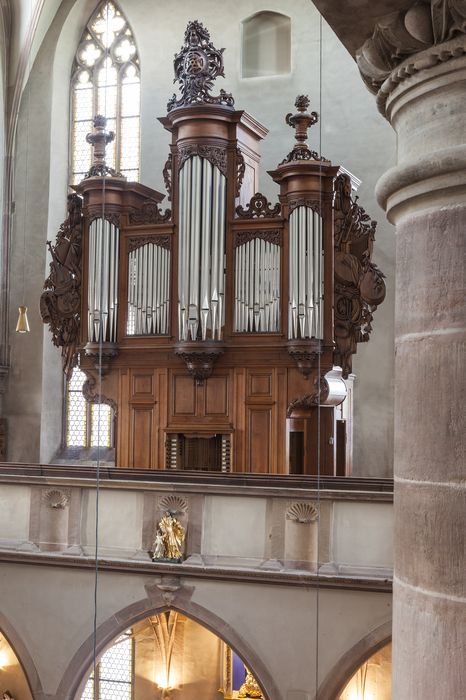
(338,483)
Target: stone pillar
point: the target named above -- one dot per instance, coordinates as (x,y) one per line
(424,99)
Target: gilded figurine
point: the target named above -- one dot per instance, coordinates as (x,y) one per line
(169,539)
(250,687)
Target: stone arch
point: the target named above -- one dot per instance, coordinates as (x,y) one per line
(347,665)
(23,656)
(159,601)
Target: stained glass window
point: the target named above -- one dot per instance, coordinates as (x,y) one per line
(105,80)
(114,673)
(87,424)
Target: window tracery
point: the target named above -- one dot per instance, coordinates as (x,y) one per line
(105,80)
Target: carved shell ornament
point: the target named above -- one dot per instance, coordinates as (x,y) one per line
(175,505)
(302,512)
(56,499)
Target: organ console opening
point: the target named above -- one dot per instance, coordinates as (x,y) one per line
(221,329)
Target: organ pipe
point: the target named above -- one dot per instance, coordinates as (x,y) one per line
(306,309)
(257,287)
(103,281)
(201,268)
(148,290)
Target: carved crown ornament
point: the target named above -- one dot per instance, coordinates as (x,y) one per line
(196,66)
(60,303)
(359,284)
(399,35)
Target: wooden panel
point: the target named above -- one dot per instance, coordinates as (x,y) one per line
(122,456)
(216,396)
(184,395)
(141,437)
(259,439)
(259,384)
(142,385)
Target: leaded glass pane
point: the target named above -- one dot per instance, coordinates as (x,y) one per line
(88,692)
(76,411)
(101,421)
(106,81)
(116,663)
(130,138)
(114,691)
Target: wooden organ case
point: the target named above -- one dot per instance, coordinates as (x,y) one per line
(220,330)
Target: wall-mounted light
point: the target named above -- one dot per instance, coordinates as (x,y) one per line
(23,324)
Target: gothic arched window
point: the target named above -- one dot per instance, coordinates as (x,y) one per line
(266,45)
(105,80)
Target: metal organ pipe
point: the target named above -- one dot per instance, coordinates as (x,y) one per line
(305,305)
(148,290)
(201,268)
(257,287)
(102,281)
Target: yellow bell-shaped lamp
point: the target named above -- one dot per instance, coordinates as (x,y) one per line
(23,324)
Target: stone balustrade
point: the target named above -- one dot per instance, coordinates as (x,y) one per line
(246,527)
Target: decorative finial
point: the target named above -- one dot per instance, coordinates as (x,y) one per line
(99,138)
(301,122)
(196,66)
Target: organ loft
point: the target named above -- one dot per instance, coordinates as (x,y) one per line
(220,330)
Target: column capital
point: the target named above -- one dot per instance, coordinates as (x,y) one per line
(409,40)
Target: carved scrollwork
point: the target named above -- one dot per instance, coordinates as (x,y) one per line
(162,240)
(401,34)
(149,213)
(199,363)
(111,217)
(258,207)
(217,155)
(302,512)
(273,236)
(314,204)
(240,170)
(196,66)
(92,395)
(167,176)
(60,304)
(359,284)
(309,401)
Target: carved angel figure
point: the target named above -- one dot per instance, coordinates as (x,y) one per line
(158,546)
(173,536)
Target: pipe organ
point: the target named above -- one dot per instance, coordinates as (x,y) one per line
(221,330)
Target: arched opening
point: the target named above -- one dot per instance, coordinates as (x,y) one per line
(168,655)
(12,676)
(266,45)
(372,680)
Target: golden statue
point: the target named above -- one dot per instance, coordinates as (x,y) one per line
(170,534)
(250,687)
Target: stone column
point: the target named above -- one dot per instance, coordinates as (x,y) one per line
(424,98)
